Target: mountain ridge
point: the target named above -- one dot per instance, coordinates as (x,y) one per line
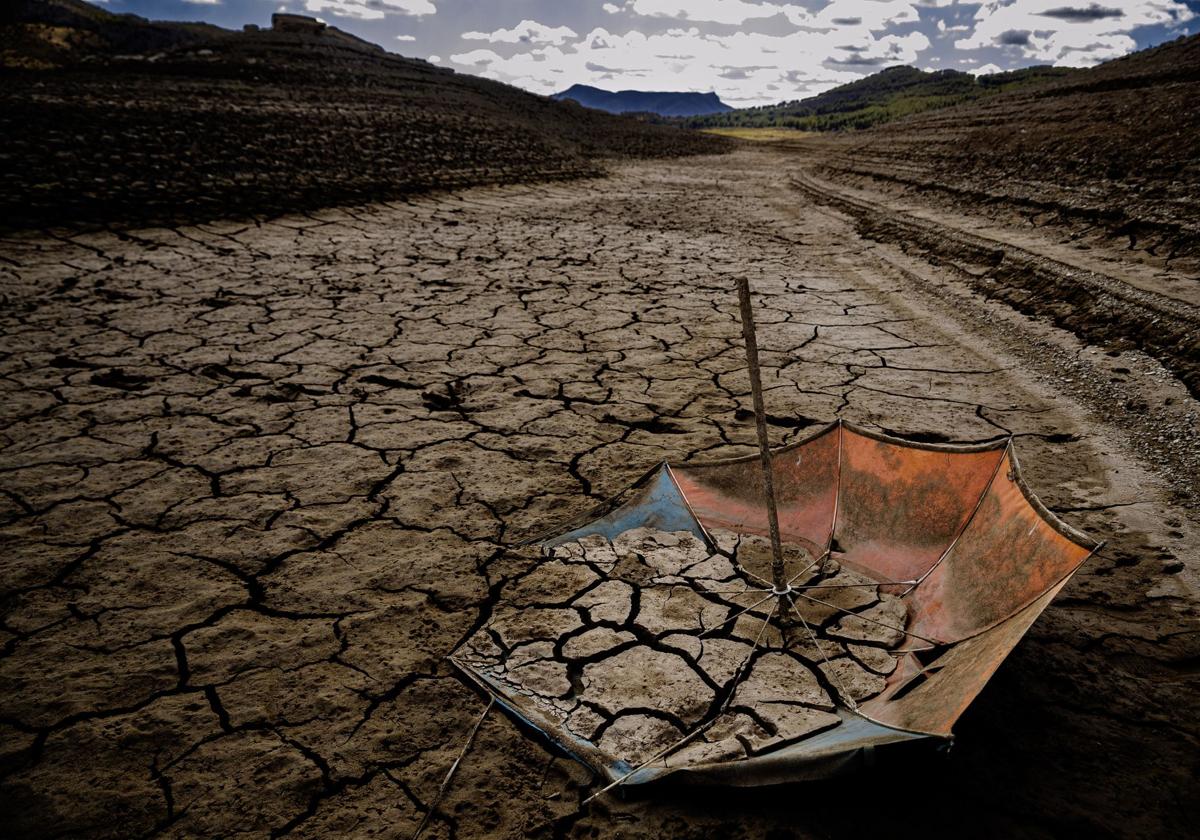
(884,96)
(116,119)
(662,103)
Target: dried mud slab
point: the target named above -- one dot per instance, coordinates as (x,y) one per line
(638,643)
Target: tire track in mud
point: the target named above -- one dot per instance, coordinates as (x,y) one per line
(1100,309)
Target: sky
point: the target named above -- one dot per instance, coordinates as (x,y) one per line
(750,52)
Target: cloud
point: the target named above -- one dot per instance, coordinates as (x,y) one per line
(711,11)
(760,51)
(1092,12)
(371,9)
(406,37)
(525,32)
(985,70)
(1072,34)
(873,14)
(738,66)
(1014,38)
(942,27)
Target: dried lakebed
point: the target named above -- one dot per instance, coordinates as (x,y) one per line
(638,644)
(261,478)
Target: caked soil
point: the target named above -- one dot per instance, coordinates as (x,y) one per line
(260,479)
(269,123)
(1107,155)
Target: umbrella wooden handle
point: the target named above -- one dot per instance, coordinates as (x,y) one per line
(760,421)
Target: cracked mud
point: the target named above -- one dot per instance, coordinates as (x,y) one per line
(259,480)
(634,644)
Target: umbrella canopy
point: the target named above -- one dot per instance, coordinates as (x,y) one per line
(651,640)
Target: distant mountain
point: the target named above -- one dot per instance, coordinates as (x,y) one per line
(663,103)
(115,119)
(879,98)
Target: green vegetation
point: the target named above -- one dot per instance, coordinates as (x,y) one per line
(885,96)
(761,135)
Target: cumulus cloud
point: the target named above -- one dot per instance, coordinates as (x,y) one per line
(761,51)
(711,11)
(1068,33)
(872,14)
(406,37)
(739,67)
(371,9)
(525,32)
(1092,12)
(943,27)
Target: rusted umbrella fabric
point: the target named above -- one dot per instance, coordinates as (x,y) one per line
(648,640)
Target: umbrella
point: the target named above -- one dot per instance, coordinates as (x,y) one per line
(775,617)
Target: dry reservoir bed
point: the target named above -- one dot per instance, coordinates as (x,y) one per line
(641,643)
(260,479)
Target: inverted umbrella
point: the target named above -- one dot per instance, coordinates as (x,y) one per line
(775,617)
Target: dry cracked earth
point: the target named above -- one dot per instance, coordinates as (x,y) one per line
(261,478)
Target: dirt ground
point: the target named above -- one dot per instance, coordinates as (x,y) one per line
(258,478)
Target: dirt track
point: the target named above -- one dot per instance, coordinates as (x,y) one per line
(258,478)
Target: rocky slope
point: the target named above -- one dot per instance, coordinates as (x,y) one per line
(879,98)
(1113,151)
(197,122)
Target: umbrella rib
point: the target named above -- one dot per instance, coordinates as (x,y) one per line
(872,620)
(667,750)
(736,615)
(756,577)
(873,583)
(809,566)
(846,696)
(453,767)
(737,675)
